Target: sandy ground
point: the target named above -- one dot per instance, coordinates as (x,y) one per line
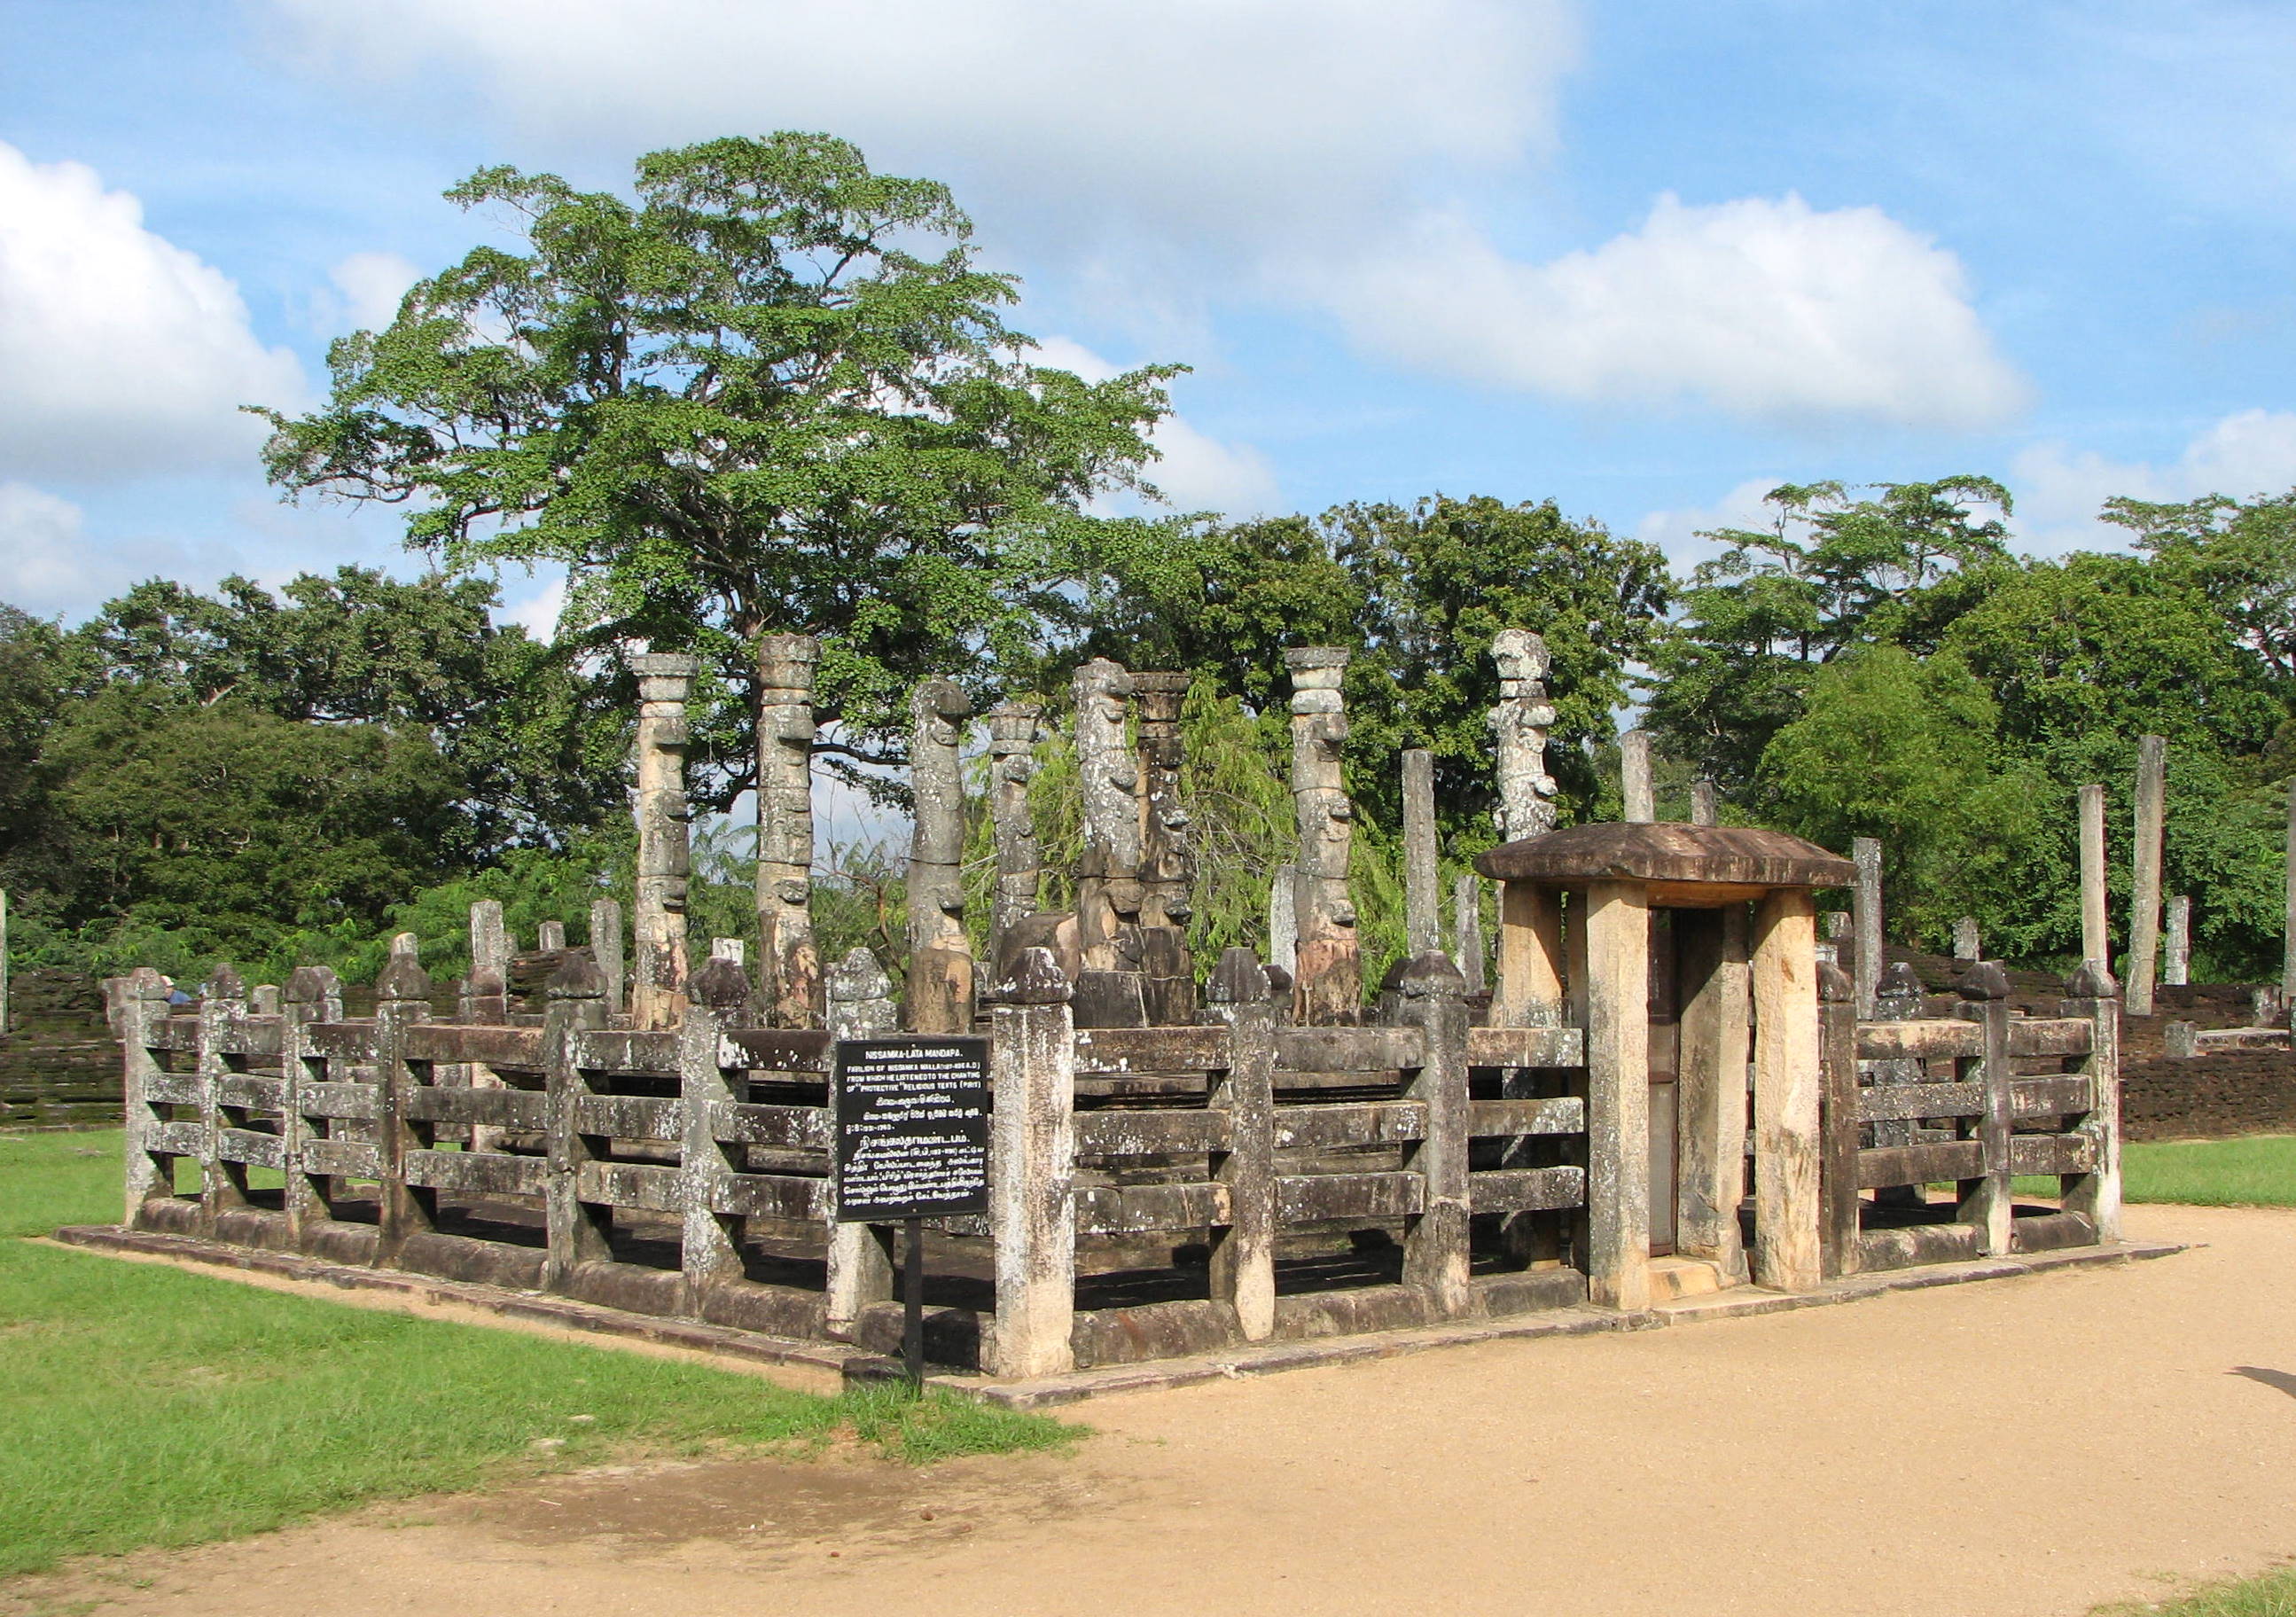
(2032,1446)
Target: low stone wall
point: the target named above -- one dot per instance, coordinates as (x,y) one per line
(59,1062)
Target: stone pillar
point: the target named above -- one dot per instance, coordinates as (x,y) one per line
(1702,811)
(1020,857)
(2176,958)
(1986,1202)
(577,1231)
(941,996)
(860,1255)
(1840,1216)
(1243,1250)
(1422,898)
(1639,801)
(551,940)
(1435,1243)
(2096,1196)
(2096,935)
(1616,998)
(1716,1014)
(789,962)
(1284,919)
(1168,868)
(1965,941)
(2288,934)
(1865,905)
(710,1255)
(140,1008)
(1786,1092)
(1520,724)
(402,998)
(1327,985)
(1108,881)
(1467,932)
(490,949)
(2144,877)
(665,846)
(606,949)
(1031,1171)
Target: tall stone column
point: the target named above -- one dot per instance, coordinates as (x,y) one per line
(2176,959)
(1422,901)
(788,963)
(1328,984)
(940,959)
(2096,940)
(1636,796)
(1020,857)
(2144,872)
(1519,723)
(1108,881)
(664,843)
(1167,866)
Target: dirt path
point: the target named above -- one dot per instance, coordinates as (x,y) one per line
(2020,1447)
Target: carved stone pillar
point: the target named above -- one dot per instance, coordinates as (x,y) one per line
(1328,983)
(665,849)
(789,964)
(1519,723)
(1167,864)
(940,960)
(1020,857)
(1108,880)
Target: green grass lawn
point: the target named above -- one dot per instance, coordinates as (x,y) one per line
(2256,1172)
(146,1404)
(2273,1595)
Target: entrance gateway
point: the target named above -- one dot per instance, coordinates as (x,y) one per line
(1689,954)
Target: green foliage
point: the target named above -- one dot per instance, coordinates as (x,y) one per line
(1831,573)
(254,1409)
(746,402)
(1418,592)
(227,825)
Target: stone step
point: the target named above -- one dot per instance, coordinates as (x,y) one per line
(1672,1279)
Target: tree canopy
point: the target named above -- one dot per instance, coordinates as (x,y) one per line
(775,392)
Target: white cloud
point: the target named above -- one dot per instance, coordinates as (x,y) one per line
(123,354)
(1197,472)
(1770,309)
(539,611)
(2060,490)
(371,284)
(1676,532)
(1216,118)
(50,564)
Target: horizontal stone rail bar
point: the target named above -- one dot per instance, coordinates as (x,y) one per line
(1879,1084)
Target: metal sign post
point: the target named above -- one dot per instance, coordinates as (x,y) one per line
(911,1144)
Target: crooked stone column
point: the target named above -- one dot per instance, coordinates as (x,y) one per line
(1020,857)
(940,996)
(665,844)
(1519,723)
(1328,984)
(789,962)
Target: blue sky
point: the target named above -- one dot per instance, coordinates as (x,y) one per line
(1645,259)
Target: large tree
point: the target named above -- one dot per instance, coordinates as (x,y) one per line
(774,393)
(1838,568)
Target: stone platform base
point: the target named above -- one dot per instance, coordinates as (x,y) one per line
(836,1358)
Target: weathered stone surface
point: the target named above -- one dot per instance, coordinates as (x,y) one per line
(1108,895)
(2096,937)
(665,849)
(1019,857)
(941,997)
(1423,901)
(2144,874)
(1520,724)
(1328,970)
(1638,801)
(789,961)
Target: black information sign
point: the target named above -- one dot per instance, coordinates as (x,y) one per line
(911,1128)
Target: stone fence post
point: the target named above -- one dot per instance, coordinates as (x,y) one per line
(1432,998)
(1986,1203)
(1031,1171)
(1243,1253)
(860,1255)
(402,998)
(574,1002)
(2096,1195)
